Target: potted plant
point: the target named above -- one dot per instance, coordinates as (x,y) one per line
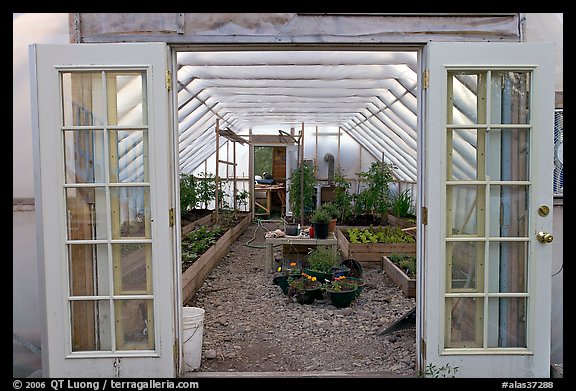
(341,291)
(333,211)
(286,274)
(320,262)
(360,284)
(305,289)
(320,219)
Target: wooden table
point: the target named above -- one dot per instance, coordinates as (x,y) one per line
(279,189)
(331,241)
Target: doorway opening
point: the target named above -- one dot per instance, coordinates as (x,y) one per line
(352,108)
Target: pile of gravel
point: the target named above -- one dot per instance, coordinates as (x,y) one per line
(251,326)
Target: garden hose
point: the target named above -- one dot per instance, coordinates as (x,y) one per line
(254,237)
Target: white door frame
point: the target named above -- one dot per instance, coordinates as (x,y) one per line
(532,361)
(58,357)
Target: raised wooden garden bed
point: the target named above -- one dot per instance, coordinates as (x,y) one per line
(407,284)
(193,277)
(370,253)
(402,222)
(196,223)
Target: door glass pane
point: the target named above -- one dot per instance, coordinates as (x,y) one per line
(508,326)
(508,267)
(510,97)
(509,211)
(465,206)
(89,268)
(466,266)
(126,94)
(508,154)
(128,156)
(91,328)
(465,322)
(132,268)
(84,156)
(82,99)
(462,159)
(130,212)
(134,324)
(463,97)
(85,211)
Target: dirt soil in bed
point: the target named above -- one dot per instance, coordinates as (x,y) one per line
(251,326)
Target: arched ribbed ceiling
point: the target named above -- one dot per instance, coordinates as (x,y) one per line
(370,95)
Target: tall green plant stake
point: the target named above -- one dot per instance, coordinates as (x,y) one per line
(309,186)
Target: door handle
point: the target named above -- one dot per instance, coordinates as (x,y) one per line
(544,237)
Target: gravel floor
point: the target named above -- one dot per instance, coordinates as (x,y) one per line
(251,326)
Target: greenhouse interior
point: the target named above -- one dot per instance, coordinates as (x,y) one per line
(218,179)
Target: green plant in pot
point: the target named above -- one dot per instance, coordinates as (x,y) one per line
(286,273)
(305,289)
(320,262)
(333,211)
(341,291)
(320,219)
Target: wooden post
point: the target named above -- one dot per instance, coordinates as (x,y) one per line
(338,152)
(251,174)
(302,176)
(316,145)
(217,177)
(234,174)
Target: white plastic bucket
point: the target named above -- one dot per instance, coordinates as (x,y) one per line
(192,330)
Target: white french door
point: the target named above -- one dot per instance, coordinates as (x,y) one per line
(487,177)
(103,188)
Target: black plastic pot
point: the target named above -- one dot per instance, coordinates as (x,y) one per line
(320,230)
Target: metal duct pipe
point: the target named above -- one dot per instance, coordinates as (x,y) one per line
(330,159)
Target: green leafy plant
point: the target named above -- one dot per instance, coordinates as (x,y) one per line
(331,208)
(242,199)
(188,193)
(401,203)
(443,371)
(206,188)
(407,263)
(197,242)
(309,186)
(343,200)
(320,216)
(322,259)
(373,199)
(380,234)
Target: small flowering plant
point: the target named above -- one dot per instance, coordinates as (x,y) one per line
(289,269)
(340,284)
(299,285)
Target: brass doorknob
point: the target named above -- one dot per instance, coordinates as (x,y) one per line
(544,237)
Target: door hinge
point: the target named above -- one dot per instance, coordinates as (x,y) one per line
(171,217)
(424,215)
(422,348)
(176,355)
(168,80)
(426,79)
